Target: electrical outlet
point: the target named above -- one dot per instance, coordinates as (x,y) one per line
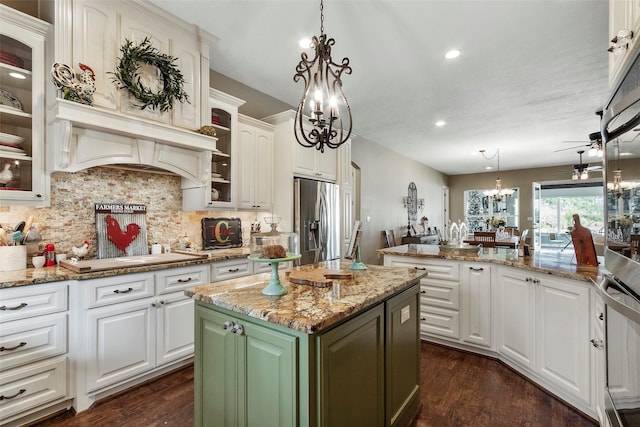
(405,314)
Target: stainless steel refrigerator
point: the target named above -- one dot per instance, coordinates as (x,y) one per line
(317,219)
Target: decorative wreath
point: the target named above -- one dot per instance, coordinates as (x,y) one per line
(127,76)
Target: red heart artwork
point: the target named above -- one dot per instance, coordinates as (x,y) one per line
(122,239)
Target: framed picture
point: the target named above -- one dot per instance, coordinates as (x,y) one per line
(389,238)
(353,242)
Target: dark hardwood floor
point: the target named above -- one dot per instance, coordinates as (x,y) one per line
(458,389)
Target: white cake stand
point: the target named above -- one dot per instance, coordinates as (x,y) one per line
(275,286)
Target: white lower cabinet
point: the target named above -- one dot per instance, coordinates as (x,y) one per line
(475,287)
(132,327)
(33,352)
(544,326)
(548,328)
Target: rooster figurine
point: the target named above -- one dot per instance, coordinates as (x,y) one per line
(80,252)
(78,87)
(6,175)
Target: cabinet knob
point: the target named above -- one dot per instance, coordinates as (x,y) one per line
(536,281)
(528,279)
(39,196)
(423,292)
(227,325)
(601,317)
(423,318)
(597,343)
(238,329)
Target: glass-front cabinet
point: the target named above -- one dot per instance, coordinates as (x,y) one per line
(484,213)
(22,105)
(221,189)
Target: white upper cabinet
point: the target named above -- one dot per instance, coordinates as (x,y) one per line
(23,41)
(92,32)
(624,19)
(255,164)
(219,188)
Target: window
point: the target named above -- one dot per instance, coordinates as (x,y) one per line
(480,209)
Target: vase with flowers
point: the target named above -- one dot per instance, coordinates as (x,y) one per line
(496,222)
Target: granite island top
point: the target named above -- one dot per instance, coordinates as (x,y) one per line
(34,276)
(307,308)
(548,263)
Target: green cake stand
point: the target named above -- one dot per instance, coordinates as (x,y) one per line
(275,288)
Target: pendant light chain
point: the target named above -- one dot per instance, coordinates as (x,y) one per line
(321,17)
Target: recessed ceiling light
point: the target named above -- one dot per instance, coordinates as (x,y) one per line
(488,167)
(452,54)
(17,75)
(626,153)
(440,123)
(304,43)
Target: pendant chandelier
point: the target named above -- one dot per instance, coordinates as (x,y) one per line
(498,193)
(323,100)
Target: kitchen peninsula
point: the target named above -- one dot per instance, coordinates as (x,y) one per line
(344,354)
(540,315)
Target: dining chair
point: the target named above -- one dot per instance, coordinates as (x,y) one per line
(487,238)
(634,244)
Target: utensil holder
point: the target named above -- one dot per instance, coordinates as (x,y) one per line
(13,258)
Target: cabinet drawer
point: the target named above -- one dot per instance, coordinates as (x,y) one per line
(29,340)
(36,384)
(27,301)
(116,289)
(178,279)
(440,293)
(440,321)
(436,269)
(229,269)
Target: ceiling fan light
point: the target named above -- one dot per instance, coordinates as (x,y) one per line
(584,174)
(575,175)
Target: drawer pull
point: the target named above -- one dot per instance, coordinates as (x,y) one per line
(17,307)
(188,279)
(423,292)
(601,317)
(22,390)
(476,269)
(118,291)
(22,344)
(233,270)
(420,268)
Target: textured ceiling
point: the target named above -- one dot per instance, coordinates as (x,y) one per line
(531,75)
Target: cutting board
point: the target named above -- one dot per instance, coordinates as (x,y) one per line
(319,277)
(103,264)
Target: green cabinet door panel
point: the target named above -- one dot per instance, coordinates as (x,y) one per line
(351,371)
(402,357)
(243,379)
(271,377)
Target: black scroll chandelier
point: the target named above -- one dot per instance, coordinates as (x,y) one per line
(323,100)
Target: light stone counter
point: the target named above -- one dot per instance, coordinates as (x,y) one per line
(306,308)
(34,276)
(563,266)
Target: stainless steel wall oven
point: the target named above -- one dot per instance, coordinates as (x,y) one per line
(620,289)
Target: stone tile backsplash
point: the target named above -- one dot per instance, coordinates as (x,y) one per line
(71,218)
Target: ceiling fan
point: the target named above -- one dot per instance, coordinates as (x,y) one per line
(581,171)
(594,144)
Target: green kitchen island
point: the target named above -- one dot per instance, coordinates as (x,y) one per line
(347,354)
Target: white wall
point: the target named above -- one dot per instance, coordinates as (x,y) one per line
(385,178)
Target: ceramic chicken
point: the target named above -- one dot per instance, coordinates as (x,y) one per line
(80,252)
(78,87)
(6,175)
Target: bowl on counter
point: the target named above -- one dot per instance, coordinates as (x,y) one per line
(38,261)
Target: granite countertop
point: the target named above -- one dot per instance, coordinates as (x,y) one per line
(34,276)
(307,308)
(554,264)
